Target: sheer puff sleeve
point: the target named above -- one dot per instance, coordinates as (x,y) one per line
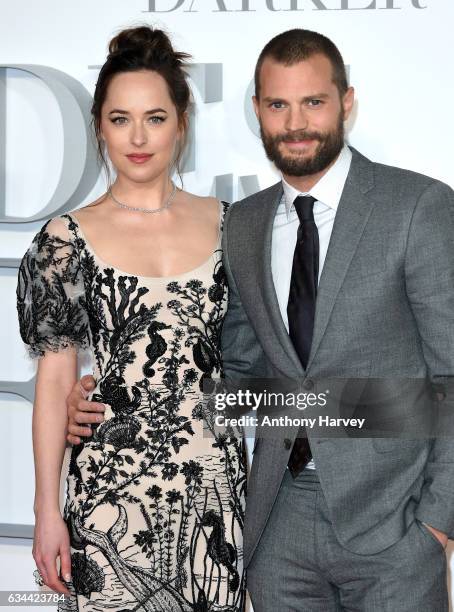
(50,293)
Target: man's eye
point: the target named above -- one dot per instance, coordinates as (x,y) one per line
(315,102)
(277,105)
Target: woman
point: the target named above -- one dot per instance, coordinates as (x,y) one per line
(154,509)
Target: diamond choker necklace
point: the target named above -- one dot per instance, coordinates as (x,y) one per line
(145,210)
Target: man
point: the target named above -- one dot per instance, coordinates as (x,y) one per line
(344,269)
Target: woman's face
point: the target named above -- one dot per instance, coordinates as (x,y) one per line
(139,124)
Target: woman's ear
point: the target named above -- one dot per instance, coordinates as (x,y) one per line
(183,125)
(100,131)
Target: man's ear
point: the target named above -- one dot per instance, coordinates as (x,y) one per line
(255,102)
(348,100)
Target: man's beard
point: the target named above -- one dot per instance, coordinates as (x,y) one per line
(329,147)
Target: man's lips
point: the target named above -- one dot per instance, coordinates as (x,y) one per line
(299,144)
(139,158)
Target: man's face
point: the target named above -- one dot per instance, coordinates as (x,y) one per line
(301,115)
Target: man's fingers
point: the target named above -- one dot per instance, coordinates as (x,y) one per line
(84,406)
(74,440)
(87,382)
(82,412)
(87,417)
(79,430)
(85,412)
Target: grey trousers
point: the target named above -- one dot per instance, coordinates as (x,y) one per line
(300,566)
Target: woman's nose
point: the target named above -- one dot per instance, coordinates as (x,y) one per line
(138,134)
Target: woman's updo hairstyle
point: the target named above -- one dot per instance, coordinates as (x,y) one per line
(143,48)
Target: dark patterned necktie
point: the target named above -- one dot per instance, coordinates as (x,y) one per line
(301,306)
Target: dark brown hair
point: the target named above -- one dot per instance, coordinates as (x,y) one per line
(297,45)
(143,48)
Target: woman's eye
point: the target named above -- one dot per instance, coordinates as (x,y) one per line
(156,119)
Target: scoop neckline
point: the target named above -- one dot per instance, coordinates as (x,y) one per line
(161,279)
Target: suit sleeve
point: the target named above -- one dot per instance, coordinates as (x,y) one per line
(429,275)
(242,354)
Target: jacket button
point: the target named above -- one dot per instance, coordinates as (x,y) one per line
(308,384)
(287,444)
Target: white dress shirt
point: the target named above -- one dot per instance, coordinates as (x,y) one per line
(327,193)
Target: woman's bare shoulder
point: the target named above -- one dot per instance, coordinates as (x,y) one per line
(90,212)
(203,204)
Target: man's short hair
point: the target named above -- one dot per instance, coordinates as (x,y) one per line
(297,45)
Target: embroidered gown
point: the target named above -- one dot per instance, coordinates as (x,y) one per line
(155,497)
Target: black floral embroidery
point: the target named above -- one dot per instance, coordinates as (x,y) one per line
(50,296)
(154,509)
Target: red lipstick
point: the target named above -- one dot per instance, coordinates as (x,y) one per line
(139,158)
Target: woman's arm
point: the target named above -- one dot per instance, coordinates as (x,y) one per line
(56,375)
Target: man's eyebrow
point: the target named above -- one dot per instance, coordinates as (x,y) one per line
(316,96)
(148,112)
(273,99)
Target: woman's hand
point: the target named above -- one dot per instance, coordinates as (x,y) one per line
(51,540)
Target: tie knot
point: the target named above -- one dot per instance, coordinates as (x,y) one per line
(304,206)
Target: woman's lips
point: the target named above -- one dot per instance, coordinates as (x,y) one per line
(139,158)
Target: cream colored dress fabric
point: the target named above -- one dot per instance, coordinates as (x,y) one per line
(155,502)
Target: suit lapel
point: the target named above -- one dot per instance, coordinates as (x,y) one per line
(268,289)
(351,217)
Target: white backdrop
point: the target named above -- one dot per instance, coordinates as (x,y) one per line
(399,54)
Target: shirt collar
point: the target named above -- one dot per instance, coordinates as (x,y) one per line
(328,189)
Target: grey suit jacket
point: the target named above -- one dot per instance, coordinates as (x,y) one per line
(385,307)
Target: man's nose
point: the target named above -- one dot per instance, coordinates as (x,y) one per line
(296,119)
